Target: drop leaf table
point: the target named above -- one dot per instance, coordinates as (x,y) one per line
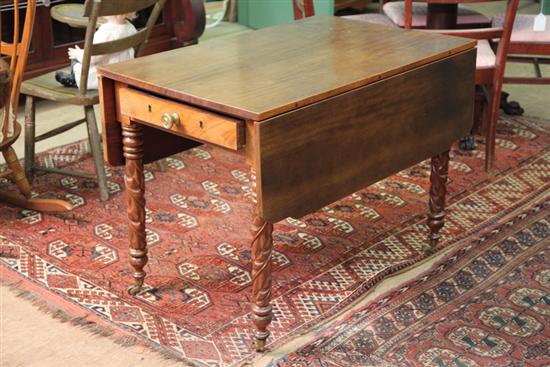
(320,108)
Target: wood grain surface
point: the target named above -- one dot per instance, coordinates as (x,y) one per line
(313,156)
(193,122)
(261,74)
(112,131)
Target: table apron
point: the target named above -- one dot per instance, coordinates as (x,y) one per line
(180,119)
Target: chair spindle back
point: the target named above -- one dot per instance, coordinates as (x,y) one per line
(94,9)
(18,51)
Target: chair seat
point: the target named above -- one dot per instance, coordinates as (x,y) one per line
(46,87)
(373,18)
(395,10)
(486,57)
(523,29)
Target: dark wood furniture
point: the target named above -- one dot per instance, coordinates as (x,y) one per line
(45,87)
(10,82)
(181,23)
(490,65)
(305,8)
(353,4)
(344,105)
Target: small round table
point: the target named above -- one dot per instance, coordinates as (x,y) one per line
(72,14)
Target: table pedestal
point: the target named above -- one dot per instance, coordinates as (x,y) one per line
(442,16)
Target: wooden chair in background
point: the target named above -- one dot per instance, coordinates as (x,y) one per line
(192,26)
(529,46)
(490,65)
(356,5)
(45,86)
(465,18)
(10,83)
(303,9)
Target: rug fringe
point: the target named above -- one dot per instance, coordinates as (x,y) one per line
(92,327)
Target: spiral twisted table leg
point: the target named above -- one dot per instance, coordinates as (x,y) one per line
(132,140)
(261,279)
(262,246)
(438,190)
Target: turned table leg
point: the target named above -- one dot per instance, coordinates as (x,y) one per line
(262,246)
(438,190)
(134,182)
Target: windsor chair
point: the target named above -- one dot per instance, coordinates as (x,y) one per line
(11,76)
(45,86)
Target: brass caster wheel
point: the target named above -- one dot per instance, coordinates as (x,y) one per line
(427,247)
(134,290)
(259,345)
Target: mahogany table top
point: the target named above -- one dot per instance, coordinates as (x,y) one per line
(262,74)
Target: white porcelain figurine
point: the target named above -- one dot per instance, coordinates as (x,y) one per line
(116,27)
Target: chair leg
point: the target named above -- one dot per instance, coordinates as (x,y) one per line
(30,115)
(18,174)
(478,111)
(95,144)
(468,142)
(491,128)
(485,108)
(41,205)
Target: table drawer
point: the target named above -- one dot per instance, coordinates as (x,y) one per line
(180,119)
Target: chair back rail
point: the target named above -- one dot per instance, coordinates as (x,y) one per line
(18,51)
(478,34)
(119,44)
(94,9)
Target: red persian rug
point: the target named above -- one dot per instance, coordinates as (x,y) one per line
(487,303)
(198,214)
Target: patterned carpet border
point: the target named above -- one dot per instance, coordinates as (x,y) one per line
(486,228)
(306,355)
